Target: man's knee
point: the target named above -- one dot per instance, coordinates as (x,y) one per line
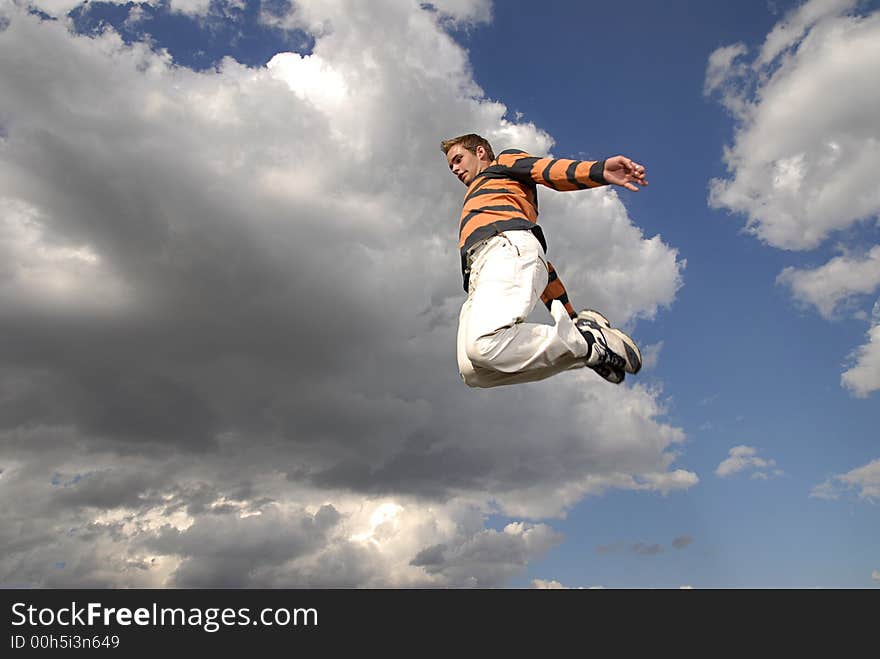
(471,379)
(477,378)
(482,349)
(476,374)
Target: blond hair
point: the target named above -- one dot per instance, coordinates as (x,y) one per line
(470,142)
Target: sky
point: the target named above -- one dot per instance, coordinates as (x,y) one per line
(230,287)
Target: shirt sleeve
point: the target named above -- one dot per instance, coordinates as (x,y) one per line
(556,173)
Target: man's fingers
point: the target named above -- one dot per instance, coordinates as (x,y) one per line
(627,171)
(630,186)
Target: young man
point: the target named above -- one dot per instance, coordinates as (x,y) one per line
(506,273)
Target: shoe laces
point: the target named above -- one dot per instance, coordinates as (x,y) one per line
(612,359)
(607,357)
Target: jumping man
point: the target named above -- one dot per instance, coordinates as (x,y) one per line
(506,272)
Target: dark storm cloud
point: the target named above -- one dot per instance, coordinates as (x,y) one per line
(422,469)
(490,557)
(115,401)
(229,551)
(430,557)
(107,489)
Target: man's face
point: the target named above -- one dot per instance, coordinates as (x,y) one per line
(466,165)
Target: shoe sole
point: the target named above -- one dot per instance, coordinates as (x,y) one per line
(612,375)
(592,314)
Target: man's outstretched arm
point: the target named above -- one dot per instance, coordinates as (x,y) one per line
(566,174)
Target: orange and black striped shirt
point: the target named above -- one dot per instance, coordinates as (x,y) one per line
(504,196)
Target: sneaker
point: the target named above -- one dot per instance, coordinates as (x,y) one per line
(611,351)
(613,375)
(610,373)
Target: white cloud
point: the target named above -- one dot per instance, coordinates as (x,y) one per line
(651,355)
(836,282)
(806,142)
(275,328)
(726,73)
(863,376)
(603,279)
(464,11)
(191,7)
(791,29)
(60,8)
(741,458)
(542,584)
(55,7)
(799,175)
(864,480)
(310,78)
(721,65)
(875,576)
(324,17)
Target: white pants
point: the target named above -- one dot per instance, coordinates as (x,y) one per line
(495,345)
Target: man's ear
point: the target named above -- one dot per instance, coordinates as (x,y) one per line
(480,152)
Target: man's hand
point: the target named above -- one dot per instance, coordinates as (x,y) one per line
(621,170)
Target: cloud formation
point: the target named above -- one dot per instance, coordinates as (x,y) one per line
(797,175)
(864,481)
(542,584)
(60,8)
(864,375)
(742,458)
(804,177)
(837,283)
(230,296)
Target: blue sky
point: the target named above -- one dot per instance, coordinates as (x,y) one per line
(216,425)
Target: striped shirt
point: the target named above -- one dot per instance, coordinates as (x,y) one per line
(504,197)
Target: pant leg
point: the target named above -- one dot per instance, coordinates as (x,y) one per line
(495,344)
